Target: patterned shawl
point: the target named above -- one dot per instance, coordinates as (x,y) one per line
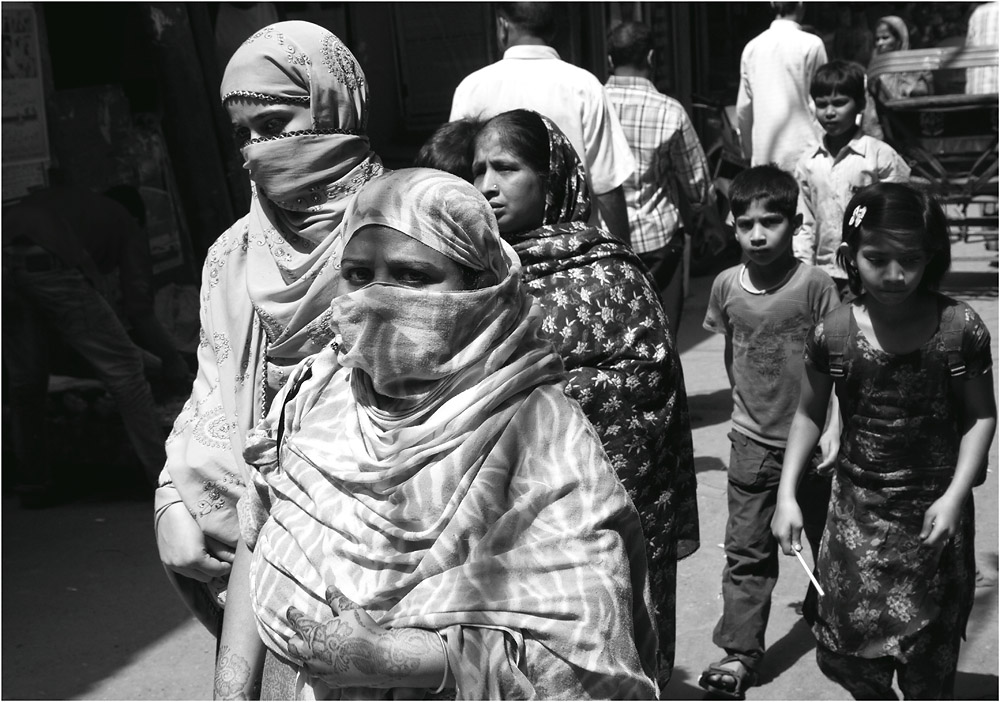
(487,511)
(604,316)
(267,282)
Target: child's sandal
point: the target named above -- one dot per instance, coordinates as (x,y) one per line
(728,681)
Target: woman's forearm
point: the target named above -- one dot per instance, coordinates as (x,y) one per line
(351,650)
(241,652)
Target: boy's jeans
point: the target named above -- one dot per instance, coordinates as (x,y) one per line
(752,551)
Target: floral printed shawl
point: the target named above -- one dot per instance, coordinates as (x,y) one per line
(487,511)
(605,318)
(267,282)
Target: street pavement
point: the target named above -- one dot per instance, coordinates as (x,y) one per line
(87,613)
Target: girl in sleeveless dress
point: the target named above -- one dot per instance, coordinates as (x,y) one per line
(913,372)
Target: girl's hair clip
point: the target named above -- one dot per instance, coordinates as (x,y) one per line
(857,216)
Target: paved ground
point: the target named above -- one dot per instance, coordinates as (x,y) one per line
(87,613)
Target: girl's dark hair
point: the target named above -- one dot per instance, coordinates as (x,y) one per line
(900,212)
(450,148)
(523,133)
(839,76)
(768,183)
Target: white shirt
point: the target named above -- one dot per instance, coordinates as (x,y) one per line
(773,109)
(535,78)
(827,182)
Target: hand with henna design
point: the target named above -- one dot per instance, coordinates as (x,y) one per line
(351,649)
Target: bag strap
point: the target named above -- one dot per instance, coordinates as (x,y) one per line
(837,327)
(952,329)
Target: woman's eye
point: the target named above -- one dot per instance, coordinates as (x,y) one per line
(356,276)
(411,277)
(241,135)
(273,127)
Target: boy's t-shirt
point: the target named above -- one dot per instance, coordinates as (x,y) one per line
(768,332)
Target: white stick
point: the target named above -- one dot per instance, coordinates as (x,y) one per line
(809,572)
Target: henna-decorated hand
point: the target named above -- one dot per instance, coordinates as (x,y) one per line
(351,649)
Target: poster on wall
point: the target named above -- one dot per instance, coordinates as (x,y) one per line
(25,140)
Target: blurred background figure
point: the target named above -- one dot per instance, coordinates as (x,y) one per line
(984,30)
(773,107)
(670,165)
(58,245)
(891,34)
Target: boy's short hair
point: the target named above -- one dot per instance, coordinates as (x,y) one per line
(777,189)
(901,212)
(839,76)
(784,9)
(536,18)
(450,148)
(629,43)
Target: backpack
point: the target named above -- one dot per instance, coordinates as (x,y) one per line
(837,327)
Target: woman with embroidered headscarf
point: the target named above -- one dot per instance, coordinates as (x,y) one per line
(891,34)
(298,102)
(431,510)
(604,317)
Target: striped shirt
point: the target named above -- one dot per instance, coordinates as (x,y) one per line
(669,159)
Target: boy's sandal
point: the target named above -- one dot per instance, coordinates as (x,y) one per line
(732,682)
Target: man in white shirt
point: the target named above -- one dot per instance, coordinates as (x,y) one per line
(773,110)
(532,76)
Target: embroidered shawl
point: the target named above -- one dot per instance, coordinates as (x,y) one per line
(267,281)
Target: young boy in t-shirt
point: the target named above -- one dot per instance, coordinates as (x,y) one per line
(846,161)
(765,307)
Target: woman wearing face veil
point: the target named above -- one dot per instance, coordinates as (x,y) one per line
(298,102)
(431,511)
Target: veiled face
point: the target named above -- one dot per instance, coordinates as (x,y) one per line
(380,254)
(254,119)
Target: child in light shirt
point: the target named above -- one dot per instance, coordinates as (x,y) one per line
(846,161)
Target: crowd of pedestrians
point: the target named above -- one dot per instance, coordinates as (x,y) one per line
(443,443)
(438,444)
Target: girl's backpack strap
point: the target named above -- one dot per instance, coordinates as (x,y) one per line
(952,329)
(837,328)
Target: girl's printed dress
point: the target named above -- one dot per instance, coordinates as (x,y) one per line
(898,453)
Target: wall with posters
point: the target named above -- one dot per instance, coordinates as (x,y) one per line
(25,139)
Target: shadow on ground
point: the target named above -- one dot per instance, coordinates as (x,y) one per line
(786,651)
(683,686)
(707,463)
(708,409)
(83,592)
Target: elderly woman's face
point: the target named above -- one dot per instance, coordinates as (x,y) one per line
(380,254)
(513,189)
(885,40)
(253,119)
